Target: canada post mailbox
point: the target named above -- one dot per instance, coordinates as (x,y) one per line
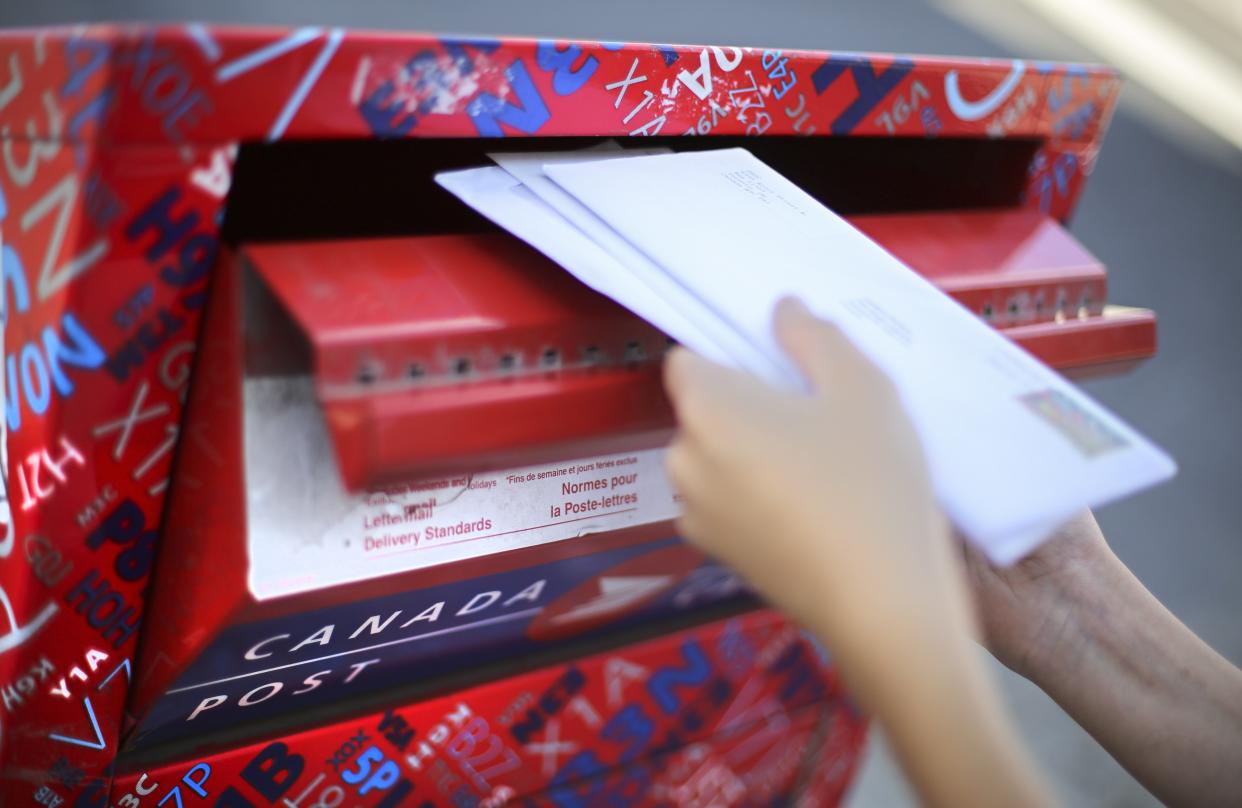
(410,454)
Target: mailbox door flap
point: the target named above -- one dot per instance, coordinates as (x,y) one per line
(463,353)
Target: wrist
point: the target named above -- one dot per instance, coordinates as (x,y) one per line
(1072,606)
(892,643)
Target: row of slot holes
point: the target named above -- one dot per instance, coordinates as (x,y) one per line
(591,354)
(550,358)
(1084,308)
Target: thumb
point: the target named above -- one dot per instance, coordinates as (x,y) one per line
(820,350)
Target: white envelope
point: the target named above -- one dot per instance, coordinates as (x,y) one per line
(642,276)
(537,211)
(498,196)
(1014,448)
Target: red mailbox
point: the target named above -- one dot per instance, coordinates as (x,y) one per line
(224,246)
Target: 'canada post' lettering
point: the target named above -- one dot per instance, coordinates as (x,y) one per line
(388,625)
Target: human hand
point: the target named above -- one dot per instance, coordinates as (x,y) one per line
(821,501)
(1027,611)
(1075,621)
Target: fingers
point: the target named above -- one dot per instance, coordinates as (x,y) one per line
(683,468)
(678,370)
(686,371)
(707,396)
(716,407)
(679,464)
(820,350)
(976,565)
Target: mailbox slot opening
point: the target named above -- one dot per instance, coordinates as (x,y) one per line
(366,188)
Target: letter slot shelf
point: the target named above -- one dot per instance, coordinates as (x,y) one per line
(449,354)
(298,448)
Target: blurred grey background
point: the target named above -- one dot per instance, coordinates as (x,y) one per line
(1163,211)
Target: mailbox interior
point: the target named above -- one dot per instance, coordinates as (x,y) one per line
(355,188)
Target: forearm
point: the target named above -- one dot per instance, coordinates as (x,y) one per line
(953,738)
(914,667)
(1163,703)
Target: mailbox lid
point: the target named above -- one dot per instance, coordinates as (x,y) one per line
(444,354)
(1113,342)
(443,310)
(461,353)
(1011,266)
(1025,274)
